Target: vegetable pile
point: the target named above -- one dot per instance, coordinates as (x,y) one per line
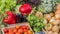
(36,23)
(18,30)
(53,23)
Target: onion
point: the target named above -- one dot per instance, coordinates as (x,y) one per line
(49,27)
(55,32)
(58,7)
(45,21)
(52,20)
(48,17)
(52,14)
(55,29)
(50,32)
(56,22)
(57,16)
(57,12)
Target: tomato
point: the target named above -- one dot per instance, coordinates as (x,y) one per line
(15,30)
(25,27)
(17,27)
(5,30)
(6,33)
(29,32)
(10,33)
(10,30)
(25,30)
(20,30)
(17,33)
(25,33)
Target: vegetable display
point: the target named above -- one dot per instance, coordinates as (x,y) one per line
(36,23)
(43,16)
(53,23)
(18,30)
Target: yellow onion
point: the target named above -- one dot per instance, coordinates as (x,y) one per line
(55,29)
(57,12)
(57,16)
(52,14)
(56,22)
(58,7)
(55,32)
(49,32)
(49,27)
(48,17)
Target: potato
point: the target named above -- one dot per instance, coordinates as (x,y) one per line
(55,29)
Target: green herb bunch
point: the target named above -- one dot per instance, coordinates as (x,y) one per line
(36,23)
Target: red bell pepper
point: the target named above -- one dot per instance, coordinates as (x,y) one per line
(25,9)
(11,19)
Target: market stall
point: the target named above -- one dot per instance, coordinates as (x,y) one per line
(29,16)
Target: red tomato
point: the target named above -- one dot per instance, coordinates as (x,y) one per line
(25,33)
(10,30)
(5,30)
(17,33)
(6,33)
(29,32)
(20,31)
(25,27)
(25,30)
(15,30)
(17,27)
